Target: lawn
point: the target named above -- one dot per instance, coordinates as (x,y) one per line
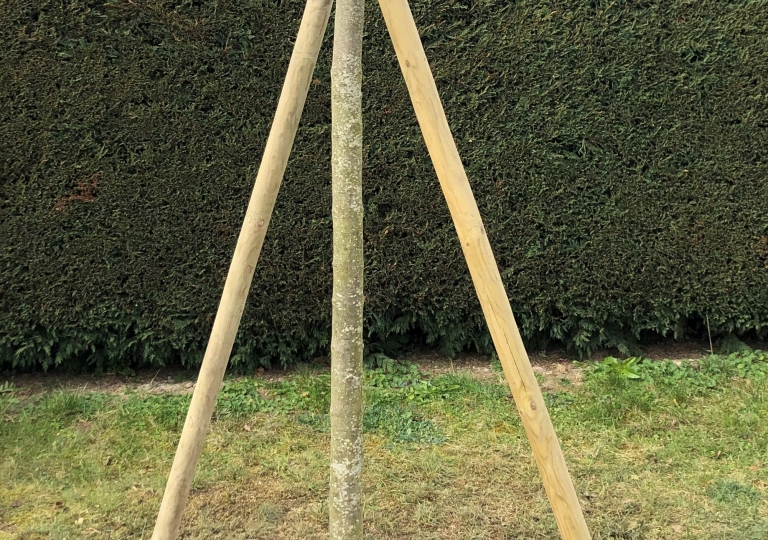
(657,450)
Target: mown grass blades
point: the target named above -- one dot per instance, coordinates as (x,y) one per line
(624,387)
(400,422)
(63,407)
(710,372)
(730,491)
(7,400)
(446,457)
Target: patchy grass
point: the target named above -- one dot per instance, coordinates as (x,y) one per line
(657,450)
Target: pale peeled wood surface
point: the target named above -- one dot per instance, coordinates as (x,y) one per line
(483,268)
(249,243)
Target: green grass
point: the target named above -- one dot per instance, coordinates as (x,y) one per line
(656,451)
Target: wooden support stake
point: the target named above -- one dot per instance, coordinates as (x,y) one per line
(482,267)
(249,243)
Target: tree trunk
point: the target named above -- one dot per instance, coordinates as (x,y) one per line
(346,496)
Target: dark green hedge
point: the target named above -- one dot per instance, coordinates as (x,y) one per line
(618,151)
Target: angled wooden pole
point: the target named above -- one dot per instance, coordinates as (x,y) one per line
(249,243)
(482,267)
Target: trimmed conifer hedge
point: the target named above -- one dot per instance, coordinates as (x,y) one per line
(618,151)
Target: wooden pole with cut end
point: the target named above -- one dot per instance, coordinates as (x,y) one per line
(345,506)
(483,268)
(249,243)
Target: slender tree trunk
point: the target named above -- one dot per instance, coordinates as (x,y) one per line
(346,497)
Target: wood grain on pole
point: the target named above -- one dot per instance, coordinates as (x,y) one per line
(249,243)
(482,267)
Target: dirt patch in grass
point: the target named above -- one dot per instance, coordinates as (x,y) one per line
(556,369)
(167,380)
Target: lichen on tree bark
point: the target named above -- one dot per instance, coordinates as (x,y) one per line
(346,493)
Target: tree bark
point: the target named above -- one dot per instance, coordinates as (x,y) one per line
(346,493)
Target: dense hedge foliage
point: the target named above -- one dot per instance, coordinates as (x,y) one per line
(618,151)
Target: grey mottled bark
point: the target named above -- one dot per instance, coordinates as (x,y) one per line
(346,496)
